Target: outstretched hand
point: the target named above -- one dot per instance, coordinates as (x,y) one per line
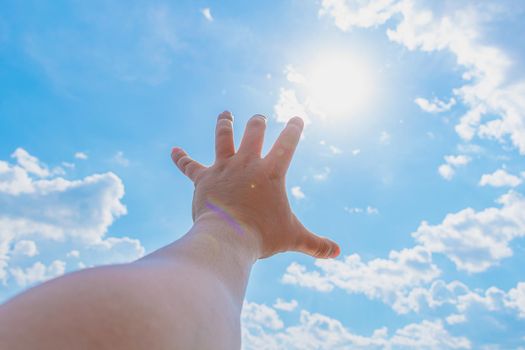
(249,191)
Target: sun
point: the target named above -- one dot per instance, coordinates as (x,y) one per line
(338,85)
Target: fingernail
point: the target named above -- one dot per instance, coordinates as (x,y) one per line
(297,121)
(226,115)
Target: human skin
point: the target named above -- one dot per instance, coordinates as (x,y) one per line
(188,294)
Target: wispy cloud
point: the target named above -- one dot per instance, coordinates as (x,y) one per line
(357,210)
(323,174)
(120,159)
(81,155)
(436,105)
(206,12)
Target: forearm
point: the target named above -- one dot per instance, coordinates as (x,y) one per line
(186,295)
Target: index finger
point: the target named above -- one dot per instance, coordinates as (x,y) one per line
(284,147)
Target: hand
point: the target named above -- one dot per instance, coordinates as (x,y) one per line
(249,192)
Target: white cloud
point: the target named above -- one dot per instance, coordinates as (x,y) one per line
(382,279)
(68,165)
(322,175)
(206,12)
(73,254)
(489,89)
(65,214)
(500,178)
(356,210)
(456,319)
(289,106)
(429,335)
(297,192)
(435,106)
(284,305)
(356,151)
(475,241)
(358,14)
(29,163)
(317,331)
(371,210)
(25,247)
(293,76)
(457,160)
(516,299)
(81,155)
(38,272)
(448,170)
(332,148)
(261,315)
(353,210)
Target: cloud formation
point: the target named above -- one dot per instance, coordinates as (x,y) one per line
(262,328)
(500,178)
(489,89)
(37,206)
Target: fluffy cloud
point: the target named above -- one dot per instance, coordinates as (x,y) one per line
(384,279)
(448,169)
(500,178)
(38,272)
(516,299)
(489,89)
(25,247)
(288,106)
(283,305)
(261,315)
(38,206)
(317,331)
(475,241)
(363,14)
(434,106)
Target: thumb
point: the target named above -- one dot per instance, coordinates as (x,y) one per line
(316,246)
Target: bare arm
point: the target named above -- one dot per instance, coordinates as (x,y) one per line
(189,294)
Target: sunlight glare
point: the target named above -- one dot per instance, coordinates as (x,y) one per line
(339,85)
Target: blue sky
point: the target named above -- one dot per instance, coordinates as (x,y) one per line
(412,157)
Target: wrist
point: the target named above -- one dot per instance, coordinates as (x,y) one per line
(226,234)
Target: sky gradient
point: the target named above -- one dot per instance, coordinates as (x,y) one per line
(412,157)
